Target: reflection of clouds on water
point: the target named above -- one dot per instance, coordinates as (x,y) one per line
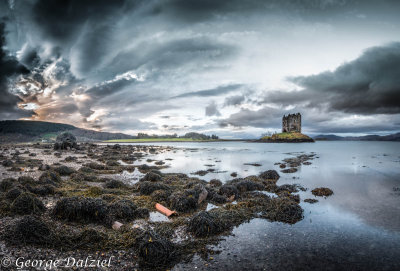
(361,174)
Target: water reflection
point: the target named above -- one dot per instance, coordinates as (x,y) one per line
(356,228)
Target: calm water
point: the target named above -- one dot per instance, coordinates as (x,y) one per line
(358,228)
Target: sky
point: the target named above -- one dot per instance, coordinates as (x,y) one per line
(231,68)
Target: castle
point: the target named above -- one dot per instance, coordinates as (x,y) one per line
(291,123)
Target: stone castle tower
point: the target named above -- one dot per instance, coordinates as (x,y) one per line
(291,123)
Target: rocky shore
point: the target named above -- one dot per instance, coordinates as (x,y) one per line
(69,200)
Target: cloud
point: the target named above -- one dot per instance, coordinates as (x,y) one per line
(234,100)
(262,118)
(62,20)
(9,69)
(367,85)
(212,110)
(220,90)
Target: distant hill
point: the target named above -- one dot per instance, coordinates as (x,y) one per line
(28,131)
(392,137)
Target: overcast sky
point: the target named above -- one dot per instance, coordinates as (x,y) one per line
(227,67)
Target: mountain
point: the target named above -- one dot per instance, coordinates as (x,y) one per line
(28,131)
(392,137)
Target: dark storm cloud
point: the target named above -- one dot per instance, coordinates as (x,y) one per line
(9,68)
(197,11)
(220,90)
(368,85)
(61,20)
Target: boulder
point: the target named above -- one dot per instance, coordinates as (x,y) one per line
(65,141)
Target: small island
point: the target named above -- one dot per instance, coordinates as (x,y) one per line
(291,131)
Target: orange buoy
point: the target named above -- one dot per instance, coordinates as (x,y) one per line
(164,210)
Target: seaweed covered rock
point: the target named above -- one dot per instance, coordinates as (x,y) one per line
(64,170)
(113,163)
(183,201)
(160,195)
(42,190)
(247,185)
(65,141)
(124,210)
(290,188)
(154,250)
(216,198)
(96,166)
(114,184)
(283,209)
(27,203)
(7,184)
(26,180)
(322,192)
(7,163)
(146,188)
(29,230)
(204,224)
(151,177)
(311,201)
(89,238)
(229,191)
(14,193)
(142,213)
(83,210)
(269,175)
(50,177)
(83,177)
(289,170)
(215,183)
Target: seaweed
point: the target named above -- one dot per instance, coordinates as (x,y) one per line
(14,193)
(42,190)
(215,183)
(151,177)
(283,209)
(50,177)
(124,210)
(154,250)
(114,184)
(269,175)
(204,224)
(183,201)
(29,230)
(27,203)
(146,188)
(7,184)
(160,195)
(311,201)
(229,191)
(247,185)
(64,170)
(322,192)
(83,210)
